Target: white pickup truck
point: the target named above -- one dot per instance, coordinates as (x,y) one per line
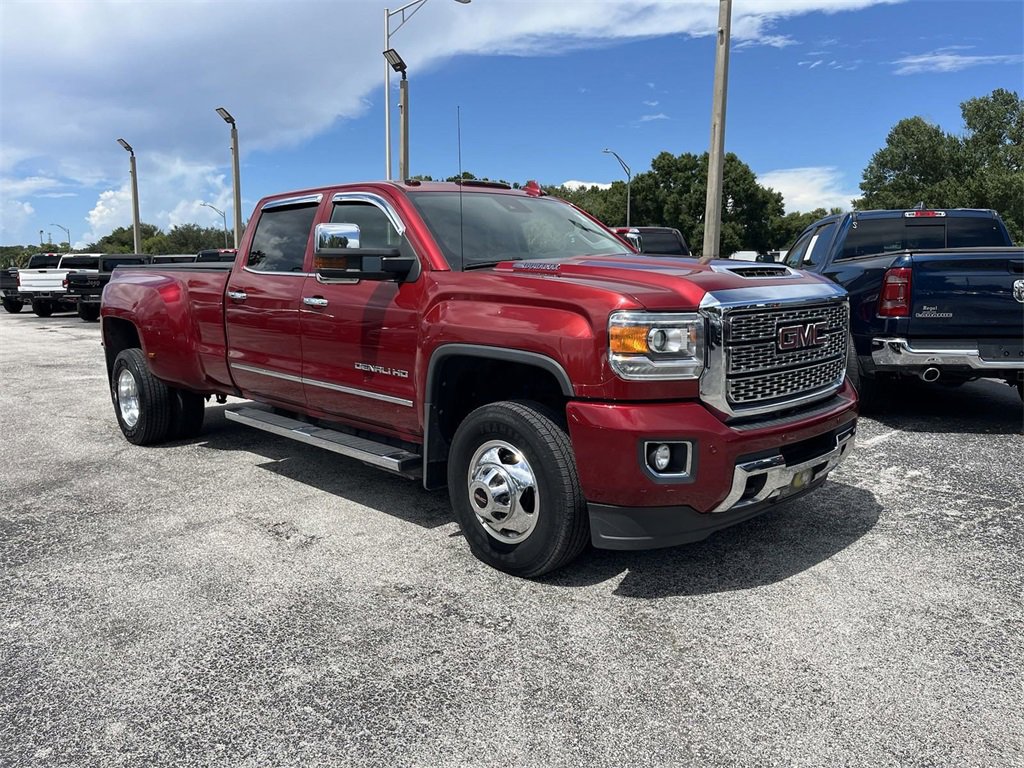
(44,287)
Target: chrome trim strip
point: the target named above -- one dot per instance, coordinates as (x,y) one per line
(898,353)
(298,200)
(323,384)
(378,201)
(252,271)
(778,476)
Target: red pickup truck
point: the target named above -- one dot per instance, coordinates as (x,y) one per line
(508,346)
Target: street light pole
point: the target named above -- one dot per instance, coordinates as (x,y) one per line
(135,194)
(66,231)
(629,178)
(406,12)
(224,218)
(716,152)
(235,162)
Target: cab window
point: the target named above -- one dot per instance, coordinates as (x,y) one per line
(279,242)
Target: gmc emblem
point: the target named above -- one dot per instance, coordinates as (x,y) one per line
(801,336)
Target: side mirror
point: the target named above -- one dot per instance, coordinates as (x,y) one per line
(338,257)
(634,237)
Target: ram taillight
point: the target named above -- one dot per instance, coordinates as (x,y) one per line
(64,282)
(894,299)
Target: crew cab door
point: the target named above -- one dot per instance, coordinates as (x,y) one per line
(360,336)
(263,303)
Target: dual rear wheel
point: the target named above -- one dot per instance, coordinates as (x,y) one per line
(148,410)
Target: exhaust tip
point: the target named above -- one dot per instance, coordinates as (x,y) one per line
(930,374)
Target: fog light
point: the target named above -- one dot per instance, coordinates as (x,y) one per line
(668,460)
(662,456)
(800,479)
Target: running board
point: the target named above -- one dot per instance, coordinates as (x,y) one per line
(369,451)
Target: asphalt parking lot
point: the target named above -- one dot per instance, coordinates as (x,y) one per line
(242,600)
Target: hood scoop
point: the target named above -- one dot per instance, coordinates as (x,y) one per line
(753,271)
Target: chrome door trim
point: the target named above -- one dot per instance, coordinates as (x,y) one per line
(376,200)
(298,200)
(323,384)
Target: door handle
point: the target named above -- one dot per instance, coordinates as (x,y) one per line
(314,301)
(238,295)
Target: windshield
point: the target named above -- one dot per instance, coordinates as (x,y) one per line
(479,229)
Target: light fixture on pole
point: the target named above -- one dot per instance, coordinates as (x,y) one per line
(235,161)
(716,152)
(405,12)
(629,178)
(224,218)
(66,231)
(40,238)
(398,65)
(135,195)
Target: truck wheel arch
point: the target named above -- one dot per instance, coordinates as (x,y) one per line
(450,394)
(118,335)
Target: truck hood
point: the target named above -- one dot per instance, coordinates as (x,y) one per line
(660,283)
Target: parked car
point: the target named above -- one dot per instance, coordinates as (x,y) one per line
(934,294)
(9,290)
(656,241)
(43,286)
(506,345)
(86,288)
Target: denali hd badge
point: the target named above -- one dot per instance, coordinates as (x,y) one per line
(1018,290)
(803,336)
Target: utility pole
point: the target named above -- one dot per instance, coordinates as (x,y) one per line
(716,152)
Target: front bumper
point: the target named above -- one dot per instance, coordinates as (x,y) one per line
(898,354)
(737,471)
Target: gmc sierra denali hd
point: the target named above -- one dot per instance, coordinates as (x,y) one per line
(508,346)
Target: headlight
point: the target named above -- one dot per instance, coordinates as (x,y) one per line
(649,345)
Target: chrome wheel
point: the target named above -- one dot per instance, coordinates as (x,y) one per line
(128,398)
(503,492)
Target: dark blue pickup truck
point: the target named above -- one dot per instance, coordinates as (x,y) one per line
(936,294)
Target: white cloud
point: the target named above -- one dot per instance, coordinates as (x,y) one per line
(804,189)
(945,60)
(649,118)
(14,215)
(650,103)
(573,184)
(287,73)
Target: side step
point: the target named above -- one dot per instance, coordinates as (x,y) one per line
(378,454)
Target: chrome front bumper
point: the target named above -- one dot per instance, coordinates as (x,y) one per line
(781,479)
(899,354)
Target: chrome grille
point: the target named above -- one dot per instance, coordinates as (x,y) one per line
(762,323)
(780,384)
(764,356)
(759,374)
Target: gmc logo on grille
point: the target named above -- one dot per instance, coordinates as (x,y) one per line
(792,337)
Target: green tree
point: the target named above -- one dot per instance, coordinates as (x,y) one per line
(122,240)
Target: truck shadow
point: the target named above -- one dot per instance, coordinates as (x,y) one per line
(337,475)
(762,551)
(766,550)
(978,407)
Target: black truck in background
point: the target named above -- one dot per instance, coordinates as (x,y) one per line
(87,288)
(936,294)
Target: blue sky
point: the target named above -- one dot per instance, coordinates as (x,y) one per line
(543,87)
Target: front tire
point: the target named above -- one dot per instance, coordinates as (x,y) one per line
(13,306)
(515,490)
(142,402)
(89,313)
(42,308)
(869,388)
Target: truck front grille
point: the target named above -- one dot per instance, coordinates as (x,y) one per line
(767,358)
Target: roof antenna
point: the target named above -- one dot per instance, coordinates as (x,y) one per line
(462,240)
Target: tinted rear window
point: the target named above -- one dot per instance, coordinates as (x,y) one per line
(107,265)
(886,235)
(43,261)
(662,242)
(80,262)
